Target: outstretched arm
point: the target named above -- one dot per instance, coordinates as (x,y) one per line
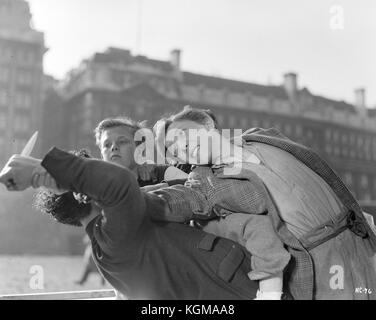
(206,195)
(108,184)
(180,203)
(114,188)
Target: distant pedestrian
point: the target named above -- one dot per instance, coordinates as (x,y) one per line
(89,264)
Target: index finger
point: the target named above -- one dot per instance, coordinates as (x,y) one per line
(6,174)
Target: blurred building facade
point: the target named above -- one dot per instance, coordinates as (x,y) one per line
(23,88)
(115,82)
(21,76)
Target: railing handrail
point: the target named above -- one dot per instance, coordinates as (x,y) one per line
(63,295)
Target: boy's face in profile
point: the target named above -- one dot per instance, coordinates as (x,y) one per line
(117,145)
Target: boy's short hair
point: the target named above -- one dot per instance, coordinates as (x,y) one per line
(109,123)
(202,116)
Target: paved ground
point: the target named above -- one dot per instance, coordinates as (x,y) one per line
(21,274)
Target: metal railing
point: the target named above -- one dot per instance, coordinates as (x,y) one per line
(65,295)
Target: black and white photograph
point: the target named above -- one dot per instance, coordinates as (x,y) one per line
(201,150)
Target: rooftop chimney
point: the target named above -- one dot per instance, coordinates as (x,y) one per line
(360,98)
(175,58)
(360,101)
(291,83)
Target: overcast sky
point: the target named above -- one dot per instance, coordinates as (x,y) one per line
(251,40)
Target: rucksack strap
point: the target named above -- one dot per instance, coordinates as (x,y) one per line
(331,229)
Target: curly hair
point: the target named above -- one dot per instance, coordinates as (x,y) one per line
(64,208)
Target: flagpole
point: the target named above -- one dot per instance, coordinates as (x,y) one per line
(139,27)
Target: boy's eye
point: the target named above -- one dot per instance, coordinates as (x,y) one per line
(123,141)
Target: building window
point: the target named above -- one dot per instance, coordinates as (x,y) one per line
(18,145)
(3,98)
(162,88)
(4,74)
(5,53)
(23,100)
(19,99)
(260,103)
(3,121)
(244,122)
(367,196)
(266,124)
(255,123)
(360,141)
(21,123)
(364,181)
(191,93)
(24,78)
(20,54)
(335,136)
(352,138)
(367,152)
(348,179)
(118,77)
(309,134)
(127,80)
(367,146)
(2,143)
(31,58)
(86,125)
(277,126)
(328,134)
(249,98)
(288,129)
(298,130)
(232,122)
